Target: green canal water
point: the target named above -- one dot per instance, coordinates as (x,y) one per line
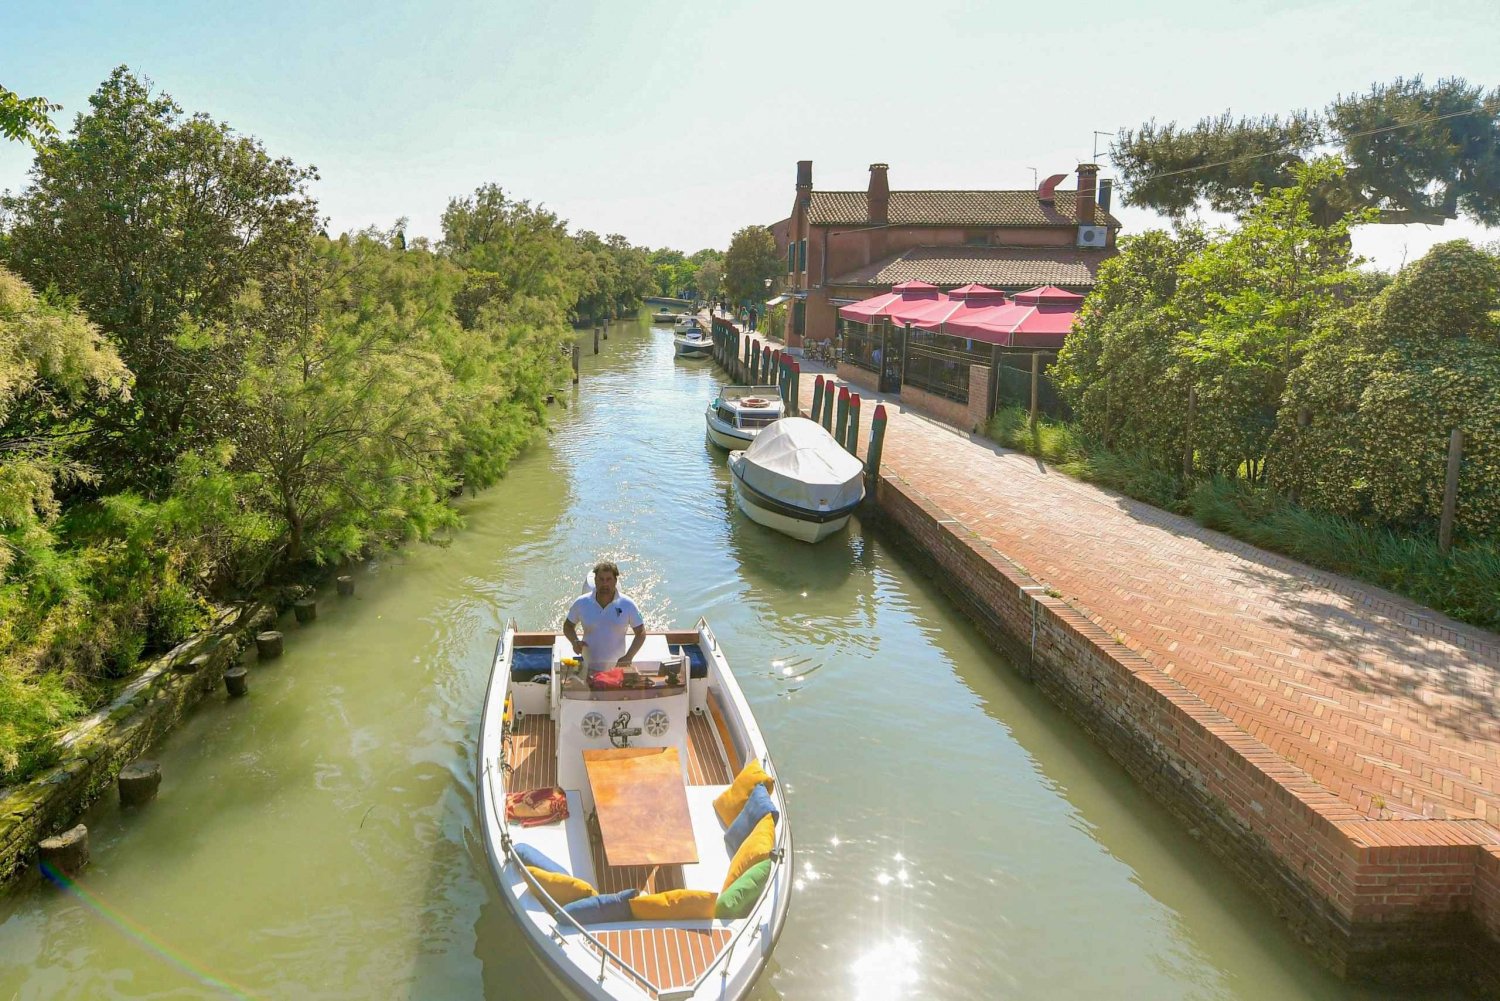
(956,836)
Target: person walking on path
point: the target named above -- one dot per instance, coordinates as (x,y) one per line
(752,317)
(607,618)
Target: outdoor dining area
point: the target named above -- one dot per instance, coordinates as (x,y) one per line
(929,345)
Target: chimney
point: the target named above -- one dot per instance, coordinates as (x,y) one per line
(878,197)
(1083,201)
(804,175)
(1106,191)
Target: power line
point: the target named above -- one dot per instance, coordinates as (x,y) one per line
(1491,105)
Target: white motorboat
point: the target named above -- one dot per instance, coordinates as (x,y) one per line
(688,321)
(797,479)
(639,764)
(739,413)
(694,342)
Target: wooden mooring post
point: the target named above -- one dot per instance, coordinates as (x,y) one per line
(794,404)
(827,416)
(851,443)
(1450,490)
(841,428)
(877,446)
(577,351)
(817,403)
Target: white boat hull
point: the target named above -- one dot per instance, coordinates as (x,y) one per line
(729,438)
(571,955)
(797,528)
(692,349)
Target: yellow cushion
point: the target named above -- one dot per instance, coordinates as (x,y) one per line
(674,905)
(756,848)
(732,800)
(564,888)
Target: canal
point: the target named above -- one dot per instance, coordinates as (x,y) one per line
(957,837)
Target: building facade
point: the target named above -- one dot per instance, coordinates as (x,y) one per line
(843,246)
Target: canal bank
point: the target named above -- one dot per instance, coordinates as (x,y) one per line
(1336,745)
(955,838)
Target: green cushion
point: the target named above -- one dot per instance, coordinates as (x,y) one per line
(738,899)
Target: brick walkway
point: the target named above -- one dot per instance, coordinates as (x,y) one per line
(1391,707)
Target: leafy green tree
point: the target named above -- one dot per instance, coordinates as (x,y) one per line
(1365,422)
(1226,316)
(155,223)
(1119,369)
(1416,153)
(709,278)
(750,260)
(1249,302)
(26,119)
(516,250)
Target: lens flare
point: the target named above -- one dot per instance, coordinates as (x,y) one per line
(129,929)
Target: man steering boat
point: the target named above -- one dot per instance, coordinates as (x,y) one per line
(607,619)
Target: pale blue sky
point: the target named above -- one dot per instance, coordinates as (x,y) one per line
(675,123)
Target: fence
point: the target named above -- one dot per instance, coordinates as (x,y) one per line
(1013,385)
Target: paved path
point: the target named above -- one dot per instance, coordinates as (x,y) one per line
(1392,707)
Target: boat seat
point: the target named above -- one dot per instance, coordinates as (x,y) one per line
(566,843)
(713,858)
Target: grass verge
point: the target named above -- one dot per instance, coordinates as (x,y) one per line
(1464,584)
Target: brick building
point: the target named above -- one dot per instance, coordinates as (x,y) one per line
(843,246)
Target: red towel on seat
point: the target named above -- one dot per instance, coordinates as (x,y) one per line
(535,807)
(613,678)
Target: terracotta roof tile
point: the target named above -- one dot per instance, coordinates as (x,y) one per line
(998,267)
(950,208)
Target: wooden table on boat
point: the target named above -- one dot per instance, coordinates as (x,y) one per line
(641,804)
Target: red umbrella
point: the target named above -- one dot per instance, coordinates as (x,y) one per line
(878,306)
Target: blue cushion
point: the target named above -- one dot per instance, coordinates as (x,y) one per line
(697,660)
(530,856)
(528,662)
(756,807)
(603,909)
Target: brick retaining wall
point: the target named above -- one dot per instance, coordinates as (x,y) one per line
(97,748)
(1409,902)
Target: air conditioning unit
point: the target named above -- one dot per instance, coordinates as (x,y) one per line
(1093,236)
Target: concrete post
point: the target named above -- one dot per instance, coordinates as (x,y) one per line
(346,586)
(306,611)
(268,644)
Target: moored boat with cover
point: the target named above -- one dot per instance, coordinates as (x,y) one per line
(633,818)
(797,479)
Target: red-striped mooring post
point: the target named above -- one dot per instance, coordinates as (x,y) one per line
(877,445)
(852,441)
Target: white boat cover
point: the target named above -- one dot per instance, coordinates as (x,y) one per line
(796,462)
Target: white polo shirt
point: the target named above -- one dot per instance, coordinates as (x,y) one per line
(606,629)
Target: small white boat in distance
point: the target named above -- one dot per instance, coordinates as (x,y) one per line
(739,413)
(797,479)
(693,342)
(601,801)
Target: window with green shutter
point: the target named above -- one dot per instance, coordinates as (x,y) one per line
(802,255)
(791,256)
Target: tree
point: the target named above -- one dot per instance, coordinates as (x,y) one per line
(709,278)
(156,223)
(1415,153)
(1226,316)
(751,259)
(1366,418)
(26,119)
